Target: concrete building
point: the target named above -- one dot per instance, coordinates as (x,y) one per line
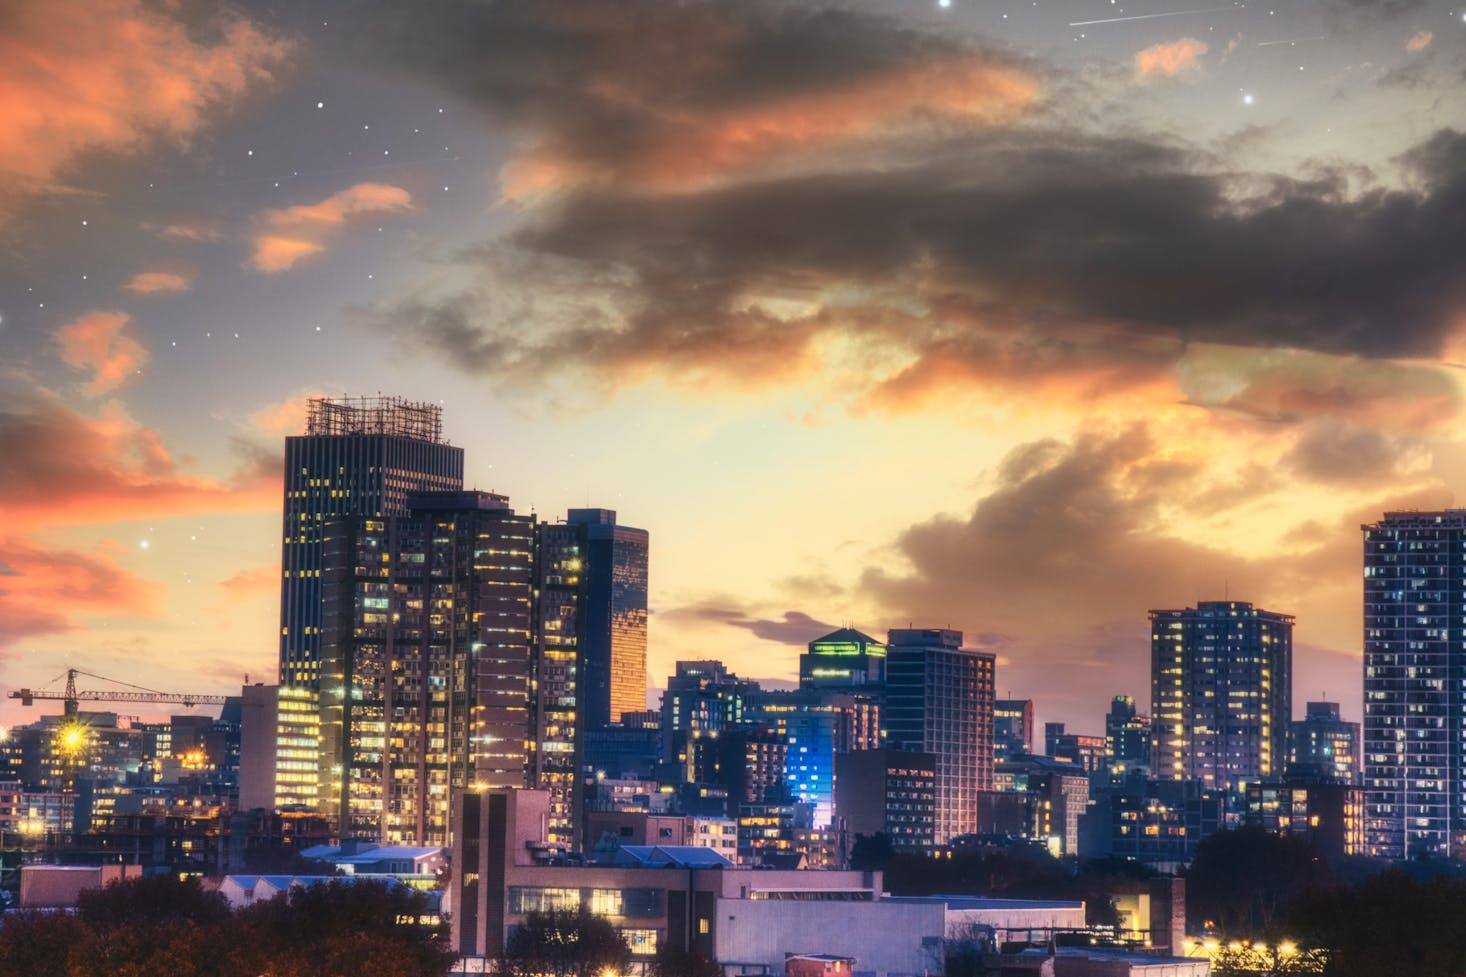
(1157,822)
(1055,795)
(939,700)
(258,736)
(890,792)
(750,920)
(1087,752)
(1221,693)
(58,886)
(1414,701)
(1330,815)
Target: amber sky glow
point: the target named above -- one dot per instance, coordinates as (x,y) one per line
(870,312)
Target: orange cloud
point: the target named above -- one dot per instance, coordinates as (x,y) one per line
(42,590)
(274,253)
(689,148)
(98,342)
(286,417)
(155,282)
(116,76)
(1420,41)
(254,580)
(1169,59)
(299,232)
(64,468)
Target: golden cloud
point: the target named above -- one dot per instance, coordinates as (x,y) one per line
(1420,41)
(98,342)
(298,232)
(1169,59)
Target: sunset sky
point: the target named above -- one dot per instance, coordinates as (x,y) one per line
(1016,317)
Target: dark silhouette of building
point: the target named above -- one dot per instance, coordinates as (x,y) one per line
(890,792)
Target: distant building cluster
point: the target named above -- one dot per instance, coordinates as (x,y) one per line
(441,652)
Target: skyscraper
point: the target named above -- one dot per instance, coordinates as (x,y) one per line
(589,664)
(939,700)
(1414,699)
(1221,680)
(359,457)
(425,662)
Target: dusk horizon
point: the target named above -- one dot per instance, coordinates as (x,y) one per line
(1022,319)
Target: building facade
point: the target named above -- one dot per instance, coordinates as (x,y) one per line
(359,457)
(939,700)
(1414,701)
(890,792)
(425,669)
(846,659)
(1012,727)
(1324,746)
(1127,740)
(1221,693)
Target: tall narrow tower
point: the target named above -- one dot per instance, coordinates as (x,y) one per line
(1414,669)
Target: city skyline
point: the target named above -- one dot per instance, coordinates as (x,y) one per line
(1019,319)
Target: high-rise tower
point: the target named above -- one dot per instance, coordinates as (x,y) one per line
(1221,685)
(939,700)
(425,663)
(1414,699)
(360,456)
(589,664)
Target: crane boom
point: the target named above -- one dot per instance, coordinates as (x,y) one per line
(136,693)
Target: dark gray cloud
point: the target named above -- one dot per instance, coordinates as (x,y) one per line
(792,628)
(1020,254)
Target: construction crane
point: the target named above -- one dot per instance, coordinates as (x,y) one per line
(134,693)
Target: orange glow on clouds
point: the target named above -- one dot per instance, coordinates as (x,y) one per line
(299,232)
(98,342)
(1169,59)
(158,282)
(114,75)
(690,149)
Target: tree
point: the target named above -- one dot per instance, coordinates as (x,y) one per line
(1243,880)
(962,953)
(1389,924)
(673,961)
(871,852)
(564,943)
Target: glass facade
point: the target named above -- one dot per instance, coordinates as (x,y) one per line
(425,672)
(359,457)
